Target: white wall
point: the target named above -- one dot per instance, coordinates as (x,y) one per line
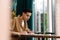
(5,19)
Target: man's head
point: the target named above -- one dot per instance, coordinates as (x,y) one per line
(26,14)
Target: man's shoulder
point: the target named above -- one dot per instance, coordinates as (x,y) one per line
(15,17)
(18,18)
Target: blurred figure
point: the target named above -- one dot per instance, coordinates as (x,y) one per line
(20,23)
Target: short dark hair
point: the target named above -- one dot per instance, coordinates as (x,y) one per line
(27,10)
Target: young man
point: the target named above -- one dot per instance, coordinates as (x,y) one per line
(20,23)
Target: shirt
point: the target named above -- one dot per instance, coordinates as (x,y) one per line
(22,23)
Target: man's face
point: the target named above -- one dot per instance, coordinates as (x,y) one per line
(26,16)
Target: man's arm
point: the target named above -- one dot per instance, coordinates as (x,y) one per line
(27,29)
(19,29)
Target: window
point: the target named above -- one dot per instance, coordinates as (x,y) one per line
(44,16)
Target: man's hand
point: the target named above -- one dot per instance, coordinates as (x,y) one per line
(23,33)
(31,32)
